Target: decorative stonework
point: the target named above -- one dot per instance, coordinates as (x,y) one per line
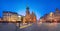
(29,18)
(52,17)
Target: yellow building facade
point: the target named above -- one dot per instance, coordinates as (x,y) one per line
(10,16)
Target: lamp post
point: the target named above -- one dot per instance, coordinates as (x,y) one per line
(51,16)
(19,20)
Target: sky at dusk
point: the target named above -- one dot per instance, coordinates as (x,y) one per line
(39,7)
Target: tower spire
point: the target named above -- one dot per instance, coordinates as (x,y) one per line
(27,10)
(57,10)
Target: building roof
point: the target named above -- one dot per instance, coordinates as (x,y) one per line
(9,12)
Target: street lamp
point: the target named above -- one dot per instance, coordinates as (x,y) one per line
(19,17)
(51,16)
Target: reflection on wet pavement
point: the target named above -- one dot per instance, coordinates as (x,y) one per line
(43,27)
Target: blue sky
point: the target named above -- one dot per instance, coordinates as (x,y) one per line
(39,7)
